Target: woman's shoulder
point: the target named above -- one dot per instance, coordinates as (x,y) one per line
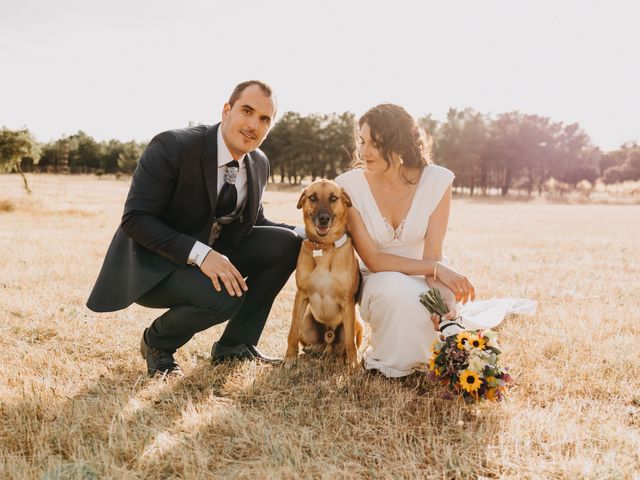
(439,174)
(348,179)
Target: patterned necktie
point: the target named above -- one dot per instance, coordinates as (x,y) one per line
(228,196)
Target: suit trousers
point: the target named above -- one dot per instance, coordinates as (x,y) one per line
(266,257)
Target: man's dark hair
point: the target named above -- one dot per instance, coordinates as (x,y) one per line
(266,89)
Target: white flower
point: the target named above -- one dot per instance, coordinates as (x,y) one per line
(477,364)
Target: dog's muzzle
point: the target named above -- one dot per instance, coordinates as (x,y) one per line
(322,222)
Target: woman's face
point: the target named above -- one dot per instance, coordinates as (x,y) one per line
(369,152)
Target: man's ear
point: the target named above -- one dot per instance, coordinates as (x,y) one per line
(225,110)
(302,197)
(346,198)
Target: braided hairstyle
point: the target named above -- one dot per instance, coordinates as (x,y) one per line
(393,130)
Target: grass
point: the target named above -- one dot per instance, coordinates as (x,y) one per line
(75,401)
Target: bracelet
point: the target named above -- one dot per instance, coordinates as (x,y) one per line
(435,271)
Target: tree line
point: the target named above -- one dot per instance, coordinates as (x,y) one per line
(489,154)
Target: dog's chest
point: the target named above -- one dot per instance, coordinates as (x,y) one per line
(322,286)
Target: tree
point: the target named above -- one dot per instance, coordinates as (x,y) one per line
(129,155)
(628,169)
(337,139)
(84,153)
(14,147)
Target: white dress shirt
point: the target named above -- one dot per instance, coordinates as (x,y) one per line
(200,250)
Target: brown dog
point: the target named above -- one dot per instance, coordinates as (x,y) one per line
(324,314)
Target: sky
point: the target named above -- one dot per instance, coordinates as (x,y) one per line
(130,69)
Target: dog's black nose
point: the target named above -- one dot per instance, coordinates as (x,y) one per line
(324,219)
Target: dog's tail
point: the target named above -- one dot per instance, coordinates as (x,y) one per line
(329,336)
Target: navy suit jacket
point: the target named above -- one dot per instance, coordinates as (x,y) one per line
(171,204)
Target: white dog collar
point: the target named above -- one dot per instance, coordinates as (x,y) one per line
(341,241)
(318,252)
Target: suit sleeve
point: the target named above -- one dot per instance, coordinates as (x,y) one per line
(152,188)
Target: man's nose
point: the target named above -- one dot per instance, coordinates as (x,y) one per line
(253,123)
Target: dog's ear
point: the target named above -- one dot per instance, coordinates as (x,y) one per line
(346,198)
(302,197)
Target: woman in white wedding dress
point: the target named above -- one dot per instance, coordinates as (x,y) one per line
(398,223)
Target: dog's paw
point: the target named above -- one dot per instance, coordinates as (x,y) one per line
(353,363)
(354,366)
(290,362)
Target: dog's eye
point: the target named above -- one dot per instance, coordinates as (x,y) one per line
(333,198)
(313,198)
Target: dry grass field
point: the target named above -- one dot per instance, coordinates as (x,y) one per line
(75,401)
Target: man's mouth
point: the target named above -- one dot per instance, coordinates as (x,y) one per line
(247,135)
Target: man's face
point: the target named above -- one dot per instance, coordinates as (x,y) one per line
(246,124)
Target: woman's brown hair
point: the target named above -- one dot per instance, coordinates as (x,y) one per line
(393,130)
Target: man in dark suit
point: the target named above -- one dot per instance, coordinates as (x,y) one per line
(194,229)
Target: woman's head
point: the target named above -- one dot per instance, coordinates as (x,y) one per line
(389,135)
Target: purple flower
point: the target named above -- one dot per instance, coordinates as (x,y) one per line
(446,396)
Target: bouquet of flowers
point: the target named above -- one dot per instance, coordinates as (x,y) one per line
(466,361)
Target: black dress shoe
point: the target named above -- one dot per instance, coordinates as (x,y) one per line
(159,362)
(261,357)
(222,353)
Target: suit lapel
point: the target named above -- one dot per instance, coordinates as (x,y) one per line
(210,165)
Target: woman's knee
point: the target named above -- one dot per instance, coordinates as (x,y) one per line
(447,294)
(383,282)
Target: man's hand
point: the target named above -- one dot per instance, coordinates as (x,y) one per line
(219,269)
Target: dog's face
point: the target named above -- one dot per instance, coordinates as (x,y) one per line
(324,207)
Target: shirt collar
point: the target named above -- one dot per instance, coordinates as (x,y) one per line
(224,155)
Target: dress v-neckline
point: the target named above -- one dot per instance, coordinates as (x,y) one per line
(396,232)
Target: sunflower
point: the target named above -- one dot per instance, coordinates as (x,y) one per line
(463,339)
(476,341)
(492,394)
(432,363)
(470,381)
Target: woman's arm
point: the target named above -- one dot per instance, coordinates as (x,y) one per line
(453,285)
(377,261)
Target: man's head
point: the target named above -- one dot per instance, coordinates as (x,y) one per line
(247,117)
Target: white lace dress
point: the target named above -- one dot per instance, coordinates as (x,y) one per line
(401,331)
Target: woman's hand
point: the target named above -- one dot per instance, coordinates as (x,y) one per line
(435,319)
(456,281)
